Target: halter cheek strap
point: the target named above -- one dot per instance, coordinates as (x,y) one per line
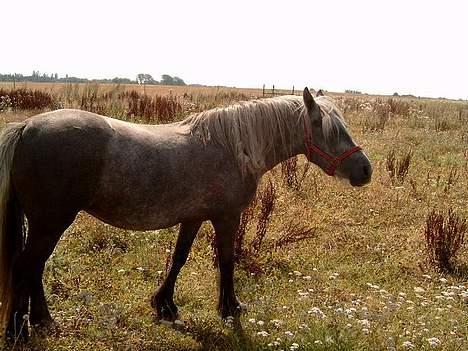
(333,162)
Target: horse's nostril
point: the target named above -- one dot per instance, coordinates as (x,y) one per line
(366,170)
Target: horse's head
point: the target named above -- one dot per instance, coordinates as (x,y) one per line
(328,143)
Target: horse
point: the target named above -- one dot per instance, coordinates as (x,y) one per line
(147,177)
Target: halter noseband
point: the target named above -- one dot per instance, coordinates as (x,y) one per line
(333,162)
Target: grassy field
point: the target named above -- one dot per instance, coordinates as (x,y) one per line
(360,281)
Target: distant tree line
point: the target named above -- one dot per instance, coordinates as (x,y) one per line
(356,92)
(166,79)
(141,78)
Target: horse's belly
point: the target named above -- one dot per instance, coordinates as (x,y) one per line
(139,219)
(150,210)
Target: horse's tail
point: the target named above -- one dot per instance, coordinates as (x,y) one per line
(11,219)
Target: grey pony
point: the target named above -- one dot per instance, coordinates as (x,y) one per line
(146,177)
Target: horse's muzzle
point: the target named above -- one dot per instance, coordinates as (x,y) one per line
(361,175)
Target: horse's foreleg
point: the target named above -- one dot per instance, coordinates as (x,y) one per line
(225,231)
(162,300)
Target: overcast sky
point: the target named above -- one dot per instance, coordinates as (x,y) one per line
(416,47)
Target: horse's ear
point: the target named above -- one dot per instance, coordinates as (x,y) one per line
(320,93)
(309,101)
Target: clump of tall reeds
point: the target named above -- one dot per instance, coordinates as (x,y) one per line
(25,99)
(398,166)
(399,107)
(291,174)
(152,109)
(444,234)
(249,253)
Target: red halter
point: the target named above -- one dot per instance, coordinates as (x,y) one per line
(333,162)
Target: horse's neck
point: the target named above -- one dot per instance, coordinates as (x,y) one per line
(292,145)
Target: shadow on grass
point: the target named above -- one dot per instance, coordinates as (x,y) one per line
(211,337)
(460,271)
(36,341)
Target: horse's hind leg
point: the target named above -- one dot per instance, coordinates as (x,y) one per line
(162,300)
(42,238)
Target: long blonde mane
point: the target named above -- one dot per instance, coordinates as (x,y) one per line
(249,130)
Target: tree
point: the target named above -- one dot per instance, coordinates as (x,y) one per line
(145,78)
(178,81)
(166,79)
(140,78)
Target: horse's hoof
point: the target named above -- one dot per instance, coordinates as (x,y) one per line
(233,310)
(166,322)
(167,312)
(179,323)
(176,324)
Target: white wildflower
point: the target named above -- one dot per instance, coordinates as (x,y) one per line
(370,285)
(276,322)
(408,345)
(317,312)
(364,322)
(433,341)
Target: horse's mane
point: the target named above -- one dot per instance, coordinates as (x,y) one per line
(249,129)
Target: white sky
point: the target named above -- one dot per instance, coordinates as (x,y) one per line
(412,46)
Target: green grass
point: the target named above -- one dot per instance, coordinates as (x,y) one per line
(361,283)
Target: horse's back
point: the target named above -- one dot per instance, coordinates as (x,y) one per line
(61,152)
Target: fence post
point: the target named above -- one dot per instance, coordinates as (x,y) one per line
(263,91)
(273,91)
(293,90)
